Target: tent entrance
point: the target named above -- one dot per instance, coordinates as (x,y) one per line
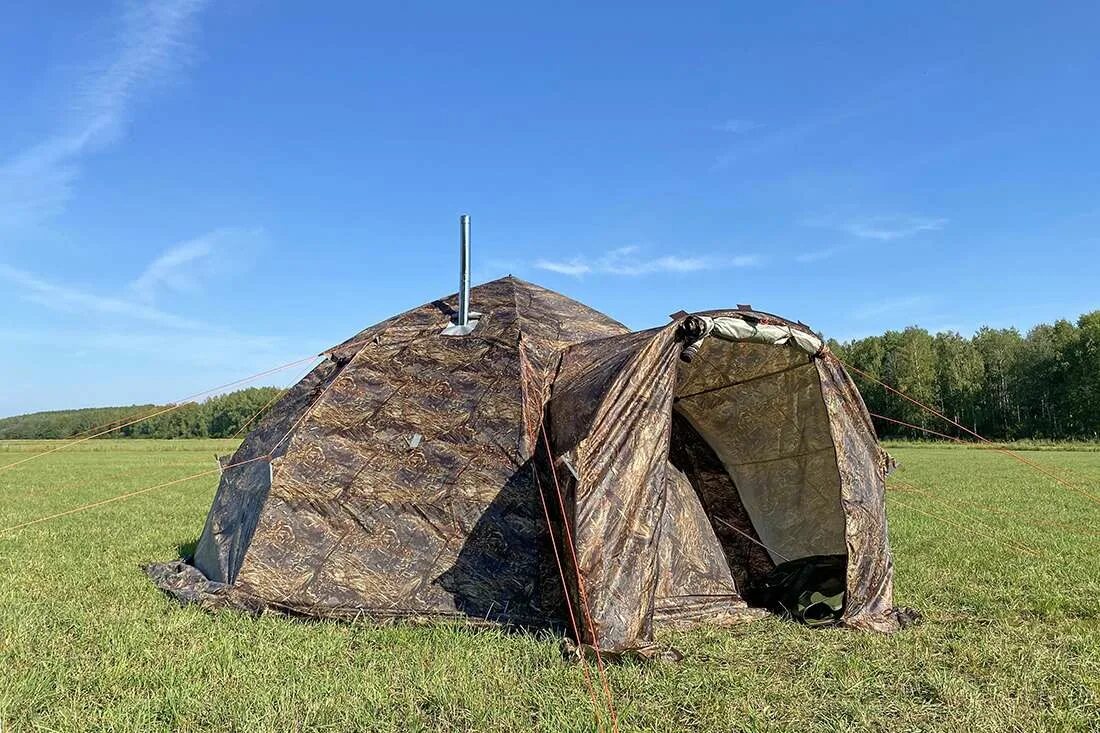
(750,431)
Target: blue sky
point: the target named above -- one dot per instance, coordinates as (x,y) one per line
(193,191)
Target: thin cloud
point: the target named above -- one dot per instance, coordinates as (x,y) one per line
(575,267)
(153,41)
(68,299)
(743,261)
(801,131)
(888,306)
(949,328)
(184,266)
(817,255)
(783,137)
(172,269)
(627,262)
(882,228)
(887,228)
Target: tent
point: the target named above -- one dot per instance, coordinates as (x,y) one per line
(550,462)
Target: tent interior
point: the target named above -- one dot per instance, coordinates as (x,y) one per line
(750,435)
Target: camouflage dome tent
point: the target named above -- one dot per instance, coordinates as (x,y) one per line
(417,474)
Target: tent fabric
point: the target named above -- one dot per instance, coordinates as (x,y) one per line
(356,520)
(737,329)
(863,466)
(412,474)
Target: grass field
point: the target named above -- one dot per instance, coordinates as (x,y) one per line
(1003,563)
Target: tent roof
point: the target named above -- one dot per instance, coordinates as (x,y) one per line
(509,307)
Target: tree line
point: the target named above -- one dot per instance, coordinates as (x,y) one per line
(1002,384)
(999,383)
(218,417)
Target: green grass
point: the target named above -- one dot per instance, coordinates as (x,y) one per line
(1009,641)
(1018,446)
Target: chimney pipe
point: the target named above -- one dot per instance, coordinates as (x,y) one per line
(464,271)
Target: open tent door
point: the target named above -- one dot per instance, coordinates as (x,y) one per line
(759,408)
(764,432)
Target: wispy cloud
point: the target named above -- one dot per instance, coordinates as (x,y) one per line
(882,227)
(901,304)
(782,137)
(37,183)
(69,321)
(801,130)
(184,266)
(886,228)
(575,266)
(181,268)
(69,299)
(173,269)
(817,255)
(628,261)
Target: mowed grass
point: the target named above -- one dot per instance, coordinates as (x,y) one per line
(1009,590)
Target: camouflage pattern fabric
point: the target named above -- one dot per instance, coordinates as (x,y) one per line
(409,477)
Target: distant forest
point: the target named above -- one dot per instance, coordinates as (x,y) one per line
(217,417)
(999,383)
